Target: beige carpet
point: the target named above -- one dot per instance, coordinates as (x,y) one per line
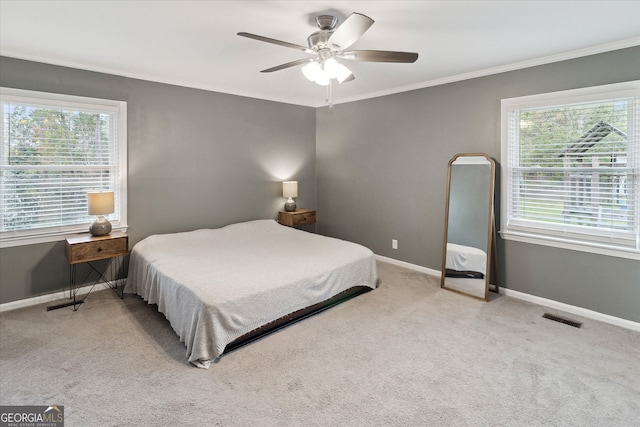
(406,354)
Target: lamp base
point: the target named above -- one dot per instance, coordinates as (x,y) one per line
(290,206)
(100,227)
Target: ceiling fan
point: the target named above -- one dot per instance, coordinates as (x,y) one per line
(330,44)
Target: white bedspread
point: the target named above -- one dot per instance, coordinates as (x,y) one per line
(466,258)
(216,285)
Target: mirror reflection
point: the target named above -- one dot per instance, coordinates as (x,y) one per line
(469,225)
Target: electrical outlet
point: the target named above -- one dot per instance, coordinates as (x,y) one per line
(394,244)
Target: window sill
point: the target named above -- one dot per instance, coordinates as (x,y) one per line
(47,238)
(558,242)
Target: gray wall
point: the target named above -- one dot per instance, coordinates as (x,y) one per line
(196,159)
(382,168)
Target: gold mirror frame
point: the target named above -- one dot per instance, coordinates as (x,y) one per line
(462,281)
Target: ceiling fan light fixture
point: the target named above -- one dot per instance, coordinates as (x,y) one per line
(322,79)
(312,70)
(331,68)
(343,73)
(322,74)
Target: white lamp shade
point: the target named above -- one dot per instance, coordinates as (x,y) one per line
(331,68)
(343,73)
(290,189)
(100,203)
(312,70)
(322,79)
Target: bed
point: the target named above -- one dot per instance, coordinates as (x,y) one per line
(465,261)
(220,288)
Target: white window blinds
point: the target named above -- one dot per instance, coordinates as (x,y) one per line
(571,169)
(55,149)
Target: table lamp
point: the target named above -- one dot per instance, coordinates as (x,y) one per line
(100,203)
(290,190)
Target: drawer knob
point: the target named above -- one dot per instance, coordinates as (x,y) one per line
(99,249)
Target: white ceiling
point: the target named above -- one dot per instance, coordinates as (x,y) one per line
(194,43)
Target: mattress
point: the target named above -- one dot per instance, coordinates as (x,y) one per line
(466,258)
(215,285)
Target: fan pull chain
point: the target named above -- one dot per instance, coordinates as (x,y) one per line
(329,97)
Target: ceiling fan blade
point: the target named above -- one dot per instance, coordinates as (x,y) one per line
(350,30)
(287,65)
(379,56)
(274,41)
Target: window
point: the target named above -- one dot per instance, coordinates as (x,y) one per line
(56,148)
(571,169)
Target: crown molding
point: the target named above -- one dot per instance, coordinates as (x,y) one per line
(608,47)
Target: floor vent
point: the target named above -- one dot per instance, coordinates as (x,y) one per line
(562,320)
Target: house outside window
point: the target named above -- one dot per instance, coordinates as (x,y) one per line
(571,169)
(55,149)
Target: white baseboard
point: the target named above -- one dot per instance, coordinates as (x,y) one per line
(590,314)
(48,298)
(410,266)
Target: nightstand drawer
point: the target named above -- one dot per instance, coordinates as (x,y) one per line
(304,218)
(296,218)
(92,249)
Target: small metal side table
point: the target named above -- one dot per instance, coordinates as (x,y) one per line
(85,248)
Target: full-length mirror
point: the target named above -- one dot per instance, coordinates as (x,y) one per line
(469,233)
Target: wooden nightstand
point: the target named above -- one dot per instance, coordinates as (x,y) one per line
(297,218)
(85,248)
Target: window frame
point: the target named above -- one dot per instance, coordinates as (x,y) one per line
(55,100)
(531,234)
